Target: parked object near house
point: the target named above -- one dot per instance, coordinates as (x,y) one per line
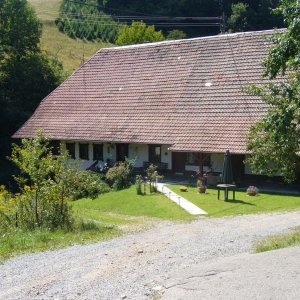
(176,104)
(252,190)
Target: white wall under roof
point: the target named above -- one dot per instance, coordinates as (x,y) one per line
(135,151)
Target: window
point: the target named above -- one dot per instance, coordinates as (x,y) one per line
(97,152)
(84,151)
(55,145)
(71,149)
(154,153)
(191,158)
(194,158)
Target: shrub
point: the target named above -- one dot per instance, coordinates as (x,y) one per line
(120,175)
(138,184)
(138,33)
(153,177)
(183,189)
(90,184)
(176,34)
(47,183)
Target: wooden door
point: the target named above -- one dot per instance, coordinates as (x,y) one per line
(238,167)
(178,162)
(155,154)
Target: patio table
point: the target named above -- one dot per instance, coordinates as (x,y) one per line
(226,188)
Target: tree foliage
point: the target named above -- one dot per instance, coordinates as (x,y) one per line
(47,183)
(87,22)
(176,34)
(138,33)
(275,140)
(253,15)
(20,30)
(26,74)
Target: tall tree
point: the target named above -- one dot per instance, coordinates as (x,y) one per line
(26,74)
(253,15)
(275,140)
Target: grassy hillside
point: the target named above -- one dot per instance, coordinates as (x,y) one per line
(70,51)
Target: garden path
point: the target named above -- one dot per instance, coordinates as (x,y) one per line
(182,202)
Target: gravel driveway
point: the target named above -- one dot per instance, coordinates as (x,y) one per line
(136,265)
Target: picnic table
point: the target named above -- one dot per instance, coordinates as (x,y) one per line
(226,188)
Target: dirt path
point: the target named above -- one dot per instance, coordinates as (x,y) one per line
(138,264)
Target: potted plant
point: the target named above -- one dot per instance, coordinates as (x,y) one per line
(202,182)
(252,190)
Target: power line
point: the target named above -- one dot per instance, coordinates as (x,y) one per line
(147,17)
(159,22)
(155,24)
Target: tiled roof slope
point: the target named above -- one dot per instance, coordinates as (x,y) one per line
(184,93)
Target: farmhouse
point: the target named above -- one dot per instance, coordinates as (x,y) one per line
(173,103)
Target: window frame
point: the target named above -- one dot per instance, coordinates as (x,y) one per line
(153,155)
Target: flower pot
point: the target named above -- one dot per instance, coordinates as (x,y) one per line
(202,189)
(251,193)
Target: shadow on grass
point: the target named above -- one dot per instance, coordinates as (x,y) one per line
(240,202)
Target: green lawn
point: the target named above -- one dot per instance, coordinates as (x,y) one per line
(104,217)
(243,204)
(115,208)
(72,52)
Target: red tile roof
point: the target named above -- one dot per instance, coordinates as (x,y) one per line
(184,93)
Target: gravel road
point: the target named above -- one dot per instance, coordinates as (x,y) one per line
(137,265)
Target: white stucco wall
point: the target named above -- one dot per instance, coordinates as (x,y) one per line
(135,151)
(166,156)
(109,152)
(139,152)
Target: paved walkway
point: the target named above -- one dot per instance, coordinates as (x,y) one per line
(268,275)
(182,202)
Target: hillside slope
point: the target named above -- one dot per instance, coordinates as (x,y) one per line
(70,51)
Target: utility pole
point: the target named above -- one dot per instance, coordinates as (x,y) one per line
(222,23)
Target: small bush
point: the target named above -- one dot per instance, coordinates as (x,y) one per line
(183,189)
(120,175)
(153,177)
(91,185)
(138,184)
(89,225)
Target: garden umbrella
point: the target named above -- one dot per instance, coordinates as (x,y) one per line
(227,169)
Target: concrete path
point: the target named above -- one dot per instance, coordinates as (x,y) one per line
(182,202)
(268,275)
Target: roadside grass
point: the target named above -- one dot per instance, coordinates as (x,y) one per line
(98,219)
(243,204)
(17,242)
(71,52)
(279,241)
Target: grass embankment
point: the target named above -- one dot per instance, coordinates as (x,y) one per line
(243,204)
(72,52)
(103,218)
(279,241)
